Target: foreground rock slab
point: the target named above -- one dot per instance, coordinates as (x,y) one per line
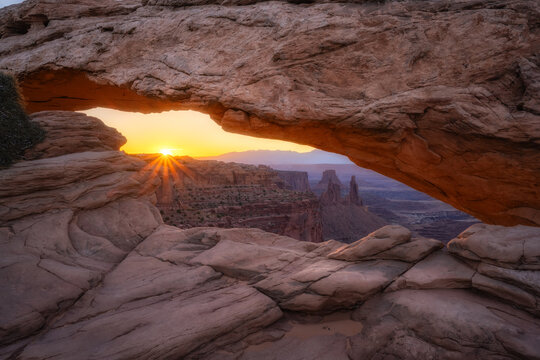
(391,242)
(88,270)
(440,324)
(515,247)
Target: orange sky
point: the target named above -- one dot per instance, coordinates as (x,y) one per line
(183,132)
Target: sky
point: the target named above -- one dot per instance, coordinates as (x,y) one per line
(182,133)
(9,2)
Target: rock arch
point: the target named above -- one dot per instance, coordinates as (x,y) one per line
(442,96)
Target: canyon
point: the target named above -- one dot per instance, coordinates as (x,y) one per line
(195,193)
(440,95)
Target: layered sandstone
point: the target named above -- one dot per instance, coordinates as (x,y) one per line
(328,177)
(68,132)
(439,95)
(295,180)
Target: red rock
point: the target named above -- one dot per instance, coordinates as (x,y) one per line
(69,132)
(439,95)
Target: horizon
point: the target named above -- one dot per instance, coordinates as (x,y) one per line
(183,133)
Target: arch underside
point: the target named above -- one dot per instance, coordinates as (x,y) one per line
(444,99)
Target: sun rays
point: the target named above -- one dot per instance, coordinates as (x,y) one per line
(166,167)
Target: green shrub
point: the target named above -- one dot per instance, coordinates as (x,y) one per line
(17,132)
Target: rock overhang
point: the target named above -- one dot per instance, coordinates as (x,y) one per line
(440,96)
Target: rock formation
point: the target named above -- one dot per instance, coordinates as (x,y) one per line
(89,270)
(439,95)
(197,193)
(344,219)
(69,132)
(328,176)
(114,283)
(295,180)
(354,198)
(65,221)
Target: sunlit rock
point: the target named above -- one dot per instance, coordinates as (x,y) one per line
(439,95)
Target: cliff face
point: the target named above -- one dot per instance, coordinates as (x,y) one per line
(295,180)
(328,177)
(213,193)
(440,95)
(344,218)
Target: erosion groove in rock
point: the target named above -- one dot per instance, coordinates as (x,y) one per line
(440,95)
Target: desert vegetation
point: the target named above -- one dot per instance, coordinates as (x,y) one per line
(17,132)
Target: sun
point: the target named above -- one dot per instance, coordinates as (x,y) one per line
(166,152)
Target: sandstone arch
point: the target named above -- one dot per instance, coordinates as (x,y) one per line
(442,96)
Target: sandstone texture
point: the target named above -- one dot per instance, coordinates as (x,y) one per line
(210,293)
(68,132)
(439,324)
(440,95)
(487,258)
(89,271)
(388,242)
(513,247)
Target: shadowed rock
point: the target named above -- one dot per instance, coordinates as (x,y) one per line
(354,198)
(68,132)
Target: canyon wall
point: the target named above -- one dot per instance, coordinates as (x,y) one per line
(440,95)
(197,193)
(295,180)
(344,218)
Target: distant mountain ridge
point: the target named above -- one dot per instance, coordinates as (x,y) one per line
(270,157)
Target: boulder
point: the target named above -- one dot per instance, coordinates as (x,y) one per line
(443,324)
(412,251)
(516,247)
(68,132)
(440,270)
(378,241)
